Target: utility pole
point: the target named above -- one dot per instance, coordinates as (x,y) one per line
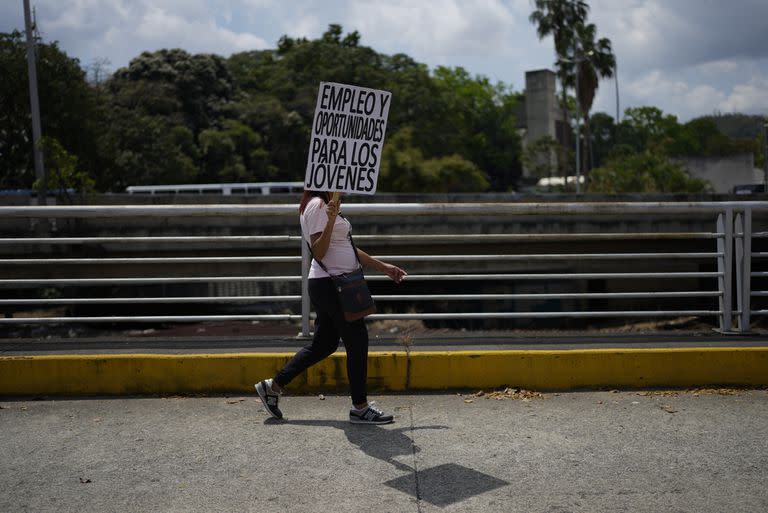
(37,150)
(578,136)
(765,157)
(616,80)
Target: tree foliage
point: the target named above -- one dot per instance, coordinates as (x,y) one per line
(645,172)
(175,117)
(545,157)
(739,126)
(65,177)
(648,130)
(67,106)
(404,168)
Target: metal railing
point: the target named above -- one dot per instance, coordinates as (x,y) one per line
(731,250)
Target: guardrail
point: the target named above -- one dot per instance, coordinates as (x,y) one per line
(731,251)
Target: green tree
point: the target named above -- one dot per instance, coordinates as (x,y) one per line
(448,112)
(283,135)
(595,60)
(602,136)
(454,173)
(759,145)
(279,90)
(146,150)
(67,109)
(475,119)
(739,126)
(190,88)
(645,172)
(702,137)
(174,117)
(546,158)
(647,128)
(557,18)
(233,153)
(157,108)
(64,177)
(405,169)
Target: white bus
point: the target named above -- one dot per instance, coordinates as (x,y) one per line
(224,189)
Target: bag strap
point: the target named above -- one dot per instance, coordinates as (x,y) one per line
(351,240)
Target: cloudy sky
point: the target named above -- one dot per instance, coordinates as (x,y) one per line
(687,57)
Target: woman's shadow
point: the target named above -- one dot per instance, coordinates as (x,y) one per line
(381,443)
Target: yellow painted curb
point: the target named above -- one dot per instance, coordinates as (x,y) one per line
(387,371)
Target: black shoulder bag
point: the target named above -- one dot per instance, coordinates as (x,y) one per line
(354,296)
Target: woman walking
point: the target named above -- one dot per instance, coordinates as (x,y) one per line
(328,235)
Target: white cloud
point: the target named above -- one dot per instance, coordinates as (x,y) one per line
(122,29)
(435,28)
(687,99)
(306,25)
(672,94)
(750,97)
(160,28)
(718,67)
(667,34)
(256,4)
(703,99)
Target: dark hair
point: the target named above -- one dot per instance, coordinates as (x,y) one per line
(308,195)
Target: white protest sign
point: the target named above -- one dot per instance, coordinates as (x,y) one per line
(347,139)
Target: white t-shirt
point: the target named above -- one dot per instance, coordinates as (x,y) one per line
(340,257)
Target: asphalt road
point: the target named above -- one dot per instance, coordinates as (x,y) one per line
(568,452)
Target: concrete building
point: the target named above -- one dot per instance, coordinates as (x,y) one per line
(725,173)
(542,108)
(540,114)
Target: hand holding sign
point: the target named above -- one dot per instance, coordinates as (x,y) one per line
(333,206)
(347,139)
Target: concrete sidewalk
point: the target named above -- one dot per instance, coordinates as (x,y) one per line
(575,451)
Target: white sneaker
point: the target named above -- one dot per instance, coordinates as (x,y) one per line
(370,415)
(269,398)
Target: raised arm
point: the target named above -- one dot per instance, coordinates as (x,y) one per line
(321,240)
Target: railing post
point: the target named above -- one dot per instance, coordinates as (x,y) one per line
(304,290)
(746,285)
(724,263)
(738,261)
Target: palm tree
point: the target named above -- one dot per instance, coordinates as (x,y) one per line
(575,45)
(594,59)
(557,18)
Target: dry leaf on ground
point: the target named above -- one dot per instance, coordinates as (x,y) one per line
(692,391)
(509,393)
(716,391)
(662,393)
